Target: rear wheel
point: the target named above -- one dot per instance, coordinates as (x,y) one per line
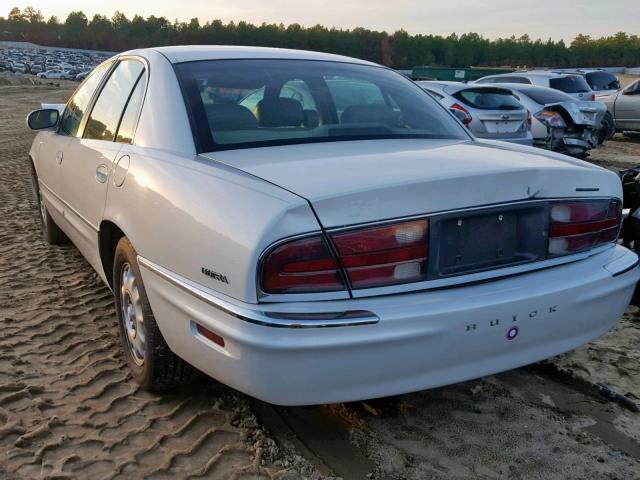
(52,233)
(607,128)
(153,365)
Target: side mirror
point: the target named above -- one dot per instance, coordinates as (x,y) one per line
(459,114)
(40,119)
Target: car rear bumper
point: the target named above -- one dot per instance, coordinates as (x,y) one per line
(408,342)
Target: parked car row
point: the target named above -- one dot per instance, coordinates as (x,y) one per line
(47,63)
(570,112)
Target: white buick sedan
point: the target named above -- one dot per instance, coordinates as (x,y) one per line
(312,228)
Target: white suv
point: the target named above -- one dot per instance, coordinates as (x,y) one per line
(573,84)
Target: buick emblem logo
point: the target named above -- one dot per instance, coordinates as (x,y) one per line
(512,332)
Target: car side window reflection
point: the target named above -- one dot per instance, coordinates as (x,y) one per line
(107,111)
(129,118)
(77,105)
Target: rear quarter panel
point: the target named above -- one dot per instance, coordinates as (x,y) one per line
(186,213)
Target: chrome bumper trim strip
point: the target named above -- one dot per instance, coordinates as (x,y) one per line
(347,318)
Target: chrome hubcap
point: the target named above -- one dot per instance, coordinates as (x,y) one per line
(132,316)
(43,209)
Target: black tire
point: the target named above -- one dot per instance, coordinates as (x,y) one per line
(607,128)
(158,368)
(51,232)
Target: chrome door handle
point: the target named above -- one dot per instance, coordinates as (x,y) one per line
(59,156)
(102,173)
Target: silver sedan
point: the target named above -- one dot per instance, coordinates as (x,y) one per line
(487,111)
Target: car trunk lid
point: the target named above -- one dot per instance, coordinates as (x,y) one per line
(499,122)
(353,182)
(589,114)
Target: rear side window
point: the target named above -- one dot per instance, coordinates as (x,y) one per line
(507,79)
(488,99)
(523,80)
(130,116)
(105,116)
(77,106)
(570,84)
(434,93)
(545,97)
(602,81)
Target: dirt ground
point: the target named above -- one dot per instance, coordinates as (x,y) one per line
(69,408)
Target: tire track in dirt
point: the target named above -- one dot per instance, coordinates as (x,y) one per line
(68,406)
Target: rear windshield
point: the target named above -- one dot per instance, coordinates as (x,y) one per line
(253,103)
(488,99)
(570,84)
(546,96)
(602,81)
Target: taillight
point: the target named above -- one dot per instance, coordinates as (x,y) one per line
(467,116)
(553,119)
(370,257)
(529,119)
(301,266)
(398,253)
(579,225)
(384,255)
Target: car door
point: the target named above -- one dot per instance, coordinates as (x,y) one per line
(89,158)
(54,145)
(627,108)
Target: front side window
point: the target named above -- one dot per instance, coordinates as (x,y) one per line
(77,105)
(633,89)
(105,116)
(249,103)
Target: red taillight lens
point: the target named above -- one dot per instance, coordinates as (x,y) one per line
(301,266)
(467,115)
(575,226)
(529,118)
(385,255)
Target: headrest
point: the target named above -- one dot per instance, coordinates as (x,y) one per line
(229,116)
(280,112)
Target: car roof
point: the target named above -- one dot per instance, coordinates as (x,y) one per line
(531,73)
(193,53)
(524,88)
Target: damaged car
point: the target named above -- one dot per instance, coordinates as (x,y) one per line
(324,248)
(487,111)
(560,122)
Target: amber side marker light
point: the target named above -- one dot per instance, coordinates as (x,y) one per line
(209,335)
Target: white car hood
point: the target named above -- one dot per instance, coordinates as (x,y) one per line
(353,182)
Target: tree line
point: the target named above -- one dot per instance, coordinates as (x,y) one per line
(398,50)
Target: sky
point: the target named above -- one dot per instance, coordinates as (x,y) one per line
(555,19)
